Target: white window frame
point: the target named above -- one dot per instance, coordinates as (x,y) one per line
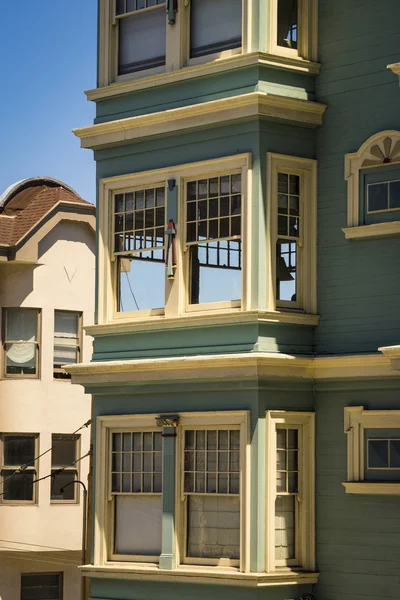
(305,525)
(356,420)
(34,468)
(78,346)
(307,44)
(370,155)
(306,169)
(103,527)
(176,295)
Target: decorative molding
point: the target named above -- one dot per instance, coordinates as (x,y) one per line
(393,354)
(199,575)
(381,149)
(365,487)
(375,230)
(199,115)
(395,68)
(144,81)
(167,421)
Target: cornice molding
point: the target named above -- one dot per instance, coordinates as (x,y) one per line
(393,354)
(191,72)
(254,104)
(230,366)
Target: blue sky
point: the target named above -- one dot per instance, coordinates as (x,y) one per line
(47,60)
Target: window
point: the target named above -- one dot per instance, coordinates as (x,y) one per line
(64,454)
(287,23)
(136,492)
(293,206)
(211,488)
(373,451)
(42,585)
(19,467)
(67,341)
(290,490)
(373,178)
(215,26)
(141,34)
(293,29)
(21,342)
(139,249)
(205,465)
(213,238)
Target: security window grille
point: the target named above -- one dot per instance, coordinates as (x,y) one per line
(141,34)
(136,489)
(66,341)
(215,26)
(139,248)
(19,468)
(383,196)
(42,585)
(288,23)
(211,489)
(63,454)
(21,346)
(384,454)
(289,234)
(213,234)
(287,490)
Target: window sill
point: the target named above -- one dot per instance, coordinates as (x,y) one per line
(375,230)
(222,64)
(375,488)
(199,575)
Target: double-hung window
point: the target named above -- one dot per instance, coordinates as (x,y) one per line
(67,341)
(292,204)
(215,27)
(293,28)
(64,469)
(21,342)
(139,249)
(141,33)
(214,239)
(19,467)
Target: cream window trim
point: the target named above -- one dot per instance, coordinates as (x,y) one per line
(305,528)
(356,420)
(175,305)
(306,274)
(106,425)
(307,31)
(380,150)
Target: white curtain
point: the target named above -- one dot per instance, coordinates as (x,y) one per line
(21,325)
(138,525)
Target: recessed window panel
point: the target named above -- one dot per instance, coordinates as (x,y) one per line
(287,23)
(215,26)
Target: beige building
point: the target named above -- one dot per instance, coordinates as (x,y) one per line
(47,247)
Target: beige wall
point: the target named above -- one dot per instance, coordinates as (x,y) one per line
(63,279)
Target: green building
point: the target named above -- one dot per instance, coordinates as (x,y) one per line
(245,375)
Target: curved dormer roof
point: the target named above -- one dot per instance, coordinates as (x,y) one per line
(32,182)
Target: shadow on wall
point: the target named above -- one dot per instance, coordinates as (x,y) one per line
(17,288)
(69,231)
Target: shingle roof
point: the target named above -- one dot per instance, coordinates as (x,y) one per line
(28,202)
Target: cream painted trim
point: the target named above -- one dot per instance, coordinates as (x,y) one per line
(305,529)
(366,487)
(307,31)
(395,68)
(199,115)
(374,230)
(356,420)
(306,169)
(175,304)
(244,365)
(353,165)
(393,354)
(190,574)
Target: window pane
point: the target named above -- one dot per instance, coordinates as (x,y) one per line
(215,26)
(286,271)
(215,270)
(394,194)
(59,481)
(45,586)
(142,41)
(21,325)
(378,454)
(287,23)
(66,324)
(18,487)
(18,450)
(285,527)
(395,454)
(213,527)
(378,197)
(142,282)
(64,450)
(137,468)
(138,525)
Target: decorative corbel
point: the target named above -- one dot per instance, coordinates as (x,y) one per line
(167,421)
